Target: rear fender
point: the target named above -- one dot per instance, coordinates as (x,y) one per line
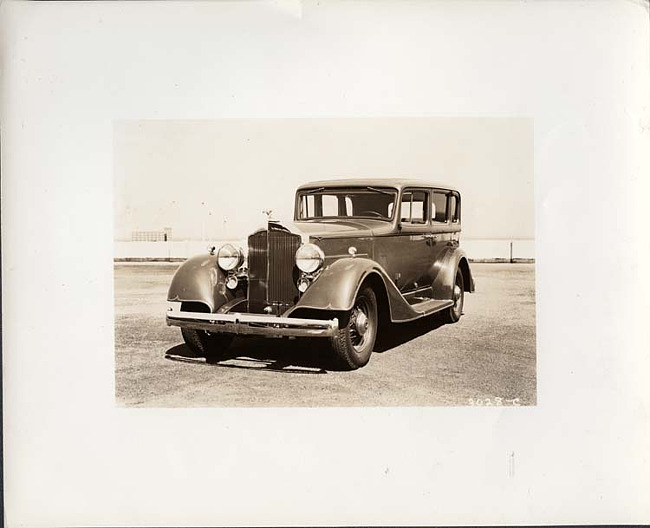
(200,279)
(453,259)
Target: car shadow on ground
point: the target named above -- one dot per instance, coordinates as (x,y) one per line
(393,335)
(288,356)
(301,356)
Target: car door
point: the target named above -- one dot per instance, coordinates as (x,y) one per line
(445,228)
(406,254)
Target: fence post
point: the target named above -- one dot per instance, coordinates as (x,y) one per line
(511,256)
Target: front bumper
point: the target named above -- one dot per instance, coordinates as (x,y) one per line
(253,324)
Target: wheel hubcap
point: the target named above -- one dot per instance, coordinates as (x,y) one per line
(359,325)
(458,299)
(457,294)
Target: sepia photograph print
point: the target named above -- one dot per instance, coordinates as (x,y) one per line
(325,262)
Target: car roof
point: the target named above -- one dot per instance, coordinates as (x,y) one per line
(397,183)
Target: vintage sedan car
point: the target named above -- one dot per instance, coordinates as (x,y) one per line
(359,253)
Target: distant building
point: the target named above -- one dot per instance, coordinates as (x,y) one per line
(152,236)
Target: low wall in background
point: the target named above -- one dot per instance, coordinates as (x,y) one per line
(175,251)
(499,250)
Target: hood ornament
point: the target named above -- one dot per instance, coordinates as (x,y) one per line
(269,216)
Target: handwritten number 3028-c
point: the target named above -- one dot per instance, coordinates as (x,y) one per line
(494,402)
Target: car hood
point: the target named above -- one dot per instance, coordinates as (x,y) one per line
(337,228)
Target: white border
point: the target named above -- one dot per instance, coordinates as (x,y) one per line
(71,69)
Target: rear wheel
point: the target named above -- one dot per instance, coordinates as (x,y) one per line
(453,313)
(210,346)
(355,339)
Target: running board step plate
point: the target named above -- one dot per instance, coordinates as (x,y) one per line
(431,306)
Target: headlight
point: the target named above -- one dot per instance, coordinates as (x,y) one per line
(229,257)
(309,258)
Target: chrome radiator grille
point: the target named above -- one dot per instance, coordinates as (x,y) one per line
(272,270)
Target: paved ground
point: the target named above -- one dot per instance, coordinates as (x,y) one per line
(489,354)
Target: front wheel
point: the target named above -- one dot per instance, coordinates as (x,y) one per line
(453,313)
(210,346)
(355,339)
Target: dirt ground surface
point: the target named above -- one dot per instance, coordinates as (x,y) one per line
(487,358)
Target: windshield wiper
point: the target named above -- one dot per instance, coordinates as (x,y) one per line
(382,191)
(312,191)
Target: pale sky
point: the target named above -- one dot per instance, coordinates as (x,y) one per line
(214,177)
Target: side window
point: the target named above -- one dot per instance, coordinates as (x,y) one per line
(454,208)
(414,207)
(439,209)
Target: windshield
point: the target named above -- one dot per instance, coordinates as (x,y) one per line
(363,202)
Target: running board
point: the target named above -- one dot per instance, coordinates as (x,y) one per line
(431,306)
(418,296)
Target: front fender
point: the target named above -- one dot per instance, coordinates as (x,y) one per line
(200,279)
(337,286)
